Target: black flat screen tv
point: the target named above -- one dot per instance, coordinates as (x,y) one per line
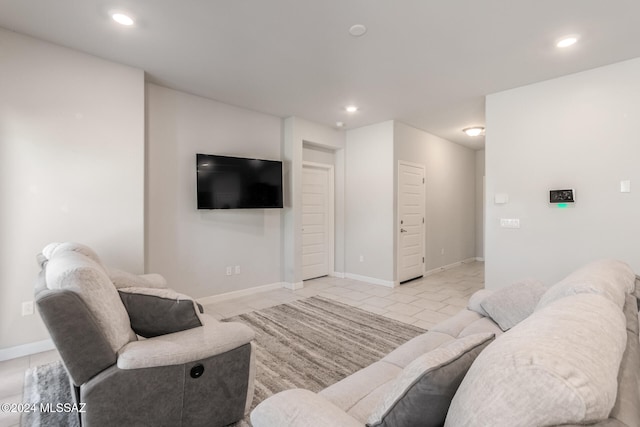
(238,183)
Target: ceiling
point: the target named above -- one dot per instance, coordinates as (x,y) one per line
(427,63)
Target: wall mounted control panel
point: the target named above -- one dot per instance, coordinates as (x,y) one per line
(562,196)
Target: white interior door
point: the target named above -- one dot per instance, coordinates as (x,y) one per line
(411,215)
(317,211)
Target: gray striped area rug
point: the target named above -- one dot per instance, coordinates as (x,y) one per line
(316,342)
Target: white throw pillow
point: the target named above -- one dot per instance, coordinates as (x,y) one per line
(476,299)
(511,305)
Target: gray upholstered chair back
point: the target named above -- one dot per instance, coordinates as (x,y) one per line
(81,309)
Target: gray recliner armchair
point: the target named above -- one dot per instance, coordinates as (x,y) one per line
(192,370)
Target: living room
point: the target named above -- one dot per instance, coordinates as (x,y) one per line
(138,183)
(94,152)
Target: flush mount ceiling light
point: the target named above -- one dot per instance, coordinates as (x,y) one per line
(474,131)
(351,108)
(567,41)
(357,30)
(122,19)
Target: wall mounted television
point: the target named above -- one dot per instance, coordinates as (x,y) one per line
(238,183)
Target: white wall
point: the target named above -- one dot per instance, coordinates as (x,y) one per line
(578,131)
(369,202)
(71,167)
(316,154)
(480,203)
(450,193)
(298,134)
(192,247)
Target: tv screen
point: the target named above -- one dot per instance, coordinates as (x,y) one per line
(238,183)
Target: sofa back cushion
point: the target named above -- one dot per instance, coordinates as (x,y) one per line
(74,271)
(558,366)
(627,407)
(610,278)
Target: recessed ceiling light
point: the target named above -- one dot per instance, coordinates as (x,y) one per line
(567,41)
(122,19)
(474,131)
(357,30)
(351,108)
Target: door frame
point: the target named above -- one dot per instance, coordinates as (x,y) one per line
(331,211)
(424,226)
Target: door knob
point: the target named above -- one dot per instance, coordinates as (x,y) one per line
(402,230)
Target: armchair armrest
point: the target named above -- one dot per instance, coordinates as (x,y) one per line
(211,339)
(124,279)
(300,408)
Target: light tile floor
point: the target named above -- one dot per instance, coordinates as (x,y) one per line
(422,302)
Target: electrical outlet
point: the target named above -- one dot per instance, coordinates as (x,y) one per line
(442,251)
(237,269)
(229,270)
(27,308)
(361,258)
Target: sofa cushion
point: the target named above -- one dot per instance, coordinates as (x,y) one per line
(348,392)
(417,346)
(156,312)
(455,324)
(558,366)
(512,304)
(301,408)
(611,278)
(423,391)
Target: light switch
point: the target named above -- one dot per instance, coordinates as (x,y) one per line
(625,186)
(501,199)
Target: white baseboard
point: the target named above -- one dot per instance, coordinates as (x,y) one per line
(449,266)
(337,274)
(241,293)
(372,280)
(26,349)
(293,286)
(479,259)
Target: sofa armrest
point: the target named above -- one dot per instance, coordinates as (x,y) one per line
(124,279)
(154,280)
(300,408)
(211,339)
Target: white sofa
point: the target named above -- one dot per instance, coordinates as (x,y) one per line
(570,356)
